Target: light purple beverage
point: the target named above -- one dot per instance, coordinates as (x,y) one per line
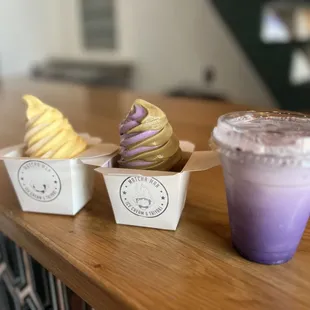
(266,163)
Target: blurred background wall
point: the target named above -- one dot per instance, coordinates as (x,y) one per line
(169,43)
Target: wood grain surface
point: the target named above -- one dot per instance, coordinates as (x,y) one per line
(121,267)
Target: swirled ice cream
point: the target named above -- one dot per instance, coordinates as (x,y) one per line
(48,133)
(147,139)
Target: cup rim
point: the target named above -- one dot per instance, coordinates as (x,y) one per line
(282,136)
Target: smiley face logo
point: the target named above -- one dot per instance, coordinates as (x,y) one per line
(144,196)
(39,181)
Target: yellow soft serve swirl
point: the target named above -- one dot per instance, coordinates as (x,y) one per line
(48,133)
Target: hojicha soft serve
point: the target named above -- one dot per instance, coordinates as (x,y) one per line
(147,140)
(148,177)
(48,133)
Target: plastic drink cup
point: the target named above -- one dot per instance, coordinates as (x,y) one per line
(266,164)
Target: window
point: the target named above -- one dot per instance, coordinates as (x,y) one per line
(98,24)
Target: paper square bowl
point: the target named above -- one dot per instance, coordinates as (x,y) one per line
(59,186)
(153,198)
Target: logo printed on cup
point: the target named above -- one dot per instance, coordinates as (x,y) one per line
(39,181)
(144,196)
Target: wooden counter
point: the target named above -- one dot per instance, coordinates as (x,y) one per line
(121,267)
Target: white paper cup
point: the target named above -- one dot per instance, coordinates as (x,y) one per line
(59,186)
(153,198)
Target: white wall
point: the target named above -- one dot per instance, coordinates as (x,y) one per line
(173,41)
(169,41)
(27,33)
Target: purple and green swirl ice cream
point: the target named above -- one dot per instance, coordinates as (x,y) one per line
(147,139)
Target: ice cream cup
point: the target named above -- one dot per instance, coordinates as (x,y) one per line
(266,163)
(56,186)
(153,198)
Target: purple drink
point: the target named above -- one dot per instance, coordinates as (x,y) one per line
(266,163)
